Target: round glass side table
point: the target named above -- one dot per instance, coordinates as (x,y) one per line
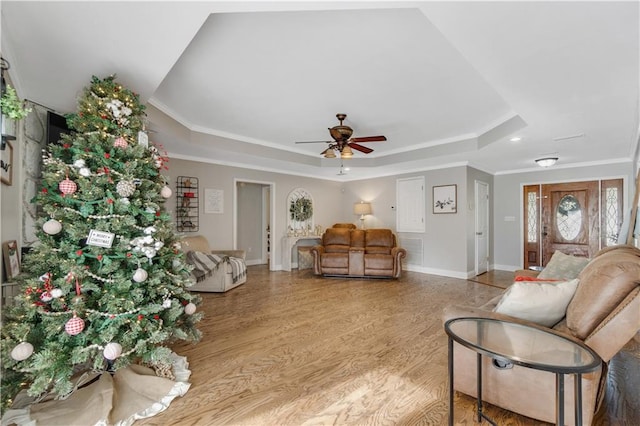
(493,338)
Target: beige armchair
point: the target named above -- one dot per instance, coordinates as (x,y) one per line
(222,278)
(604,314)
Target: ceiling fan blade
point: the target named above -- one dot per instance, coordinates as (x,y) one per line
(314,142)
(369,139)
(360,148)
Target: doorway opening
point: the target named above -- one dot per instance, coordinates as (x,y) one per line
(254,218)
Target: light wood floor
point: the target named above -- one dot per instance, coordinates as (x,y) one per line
(287,348)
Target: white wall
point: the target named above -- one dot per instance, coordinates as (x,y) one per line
(508,203)
(218,228)
(446,235)
(11,195)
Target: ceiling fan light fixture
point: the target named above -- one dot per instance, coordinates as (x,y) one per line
(547,161)
(328,153)
(346,152)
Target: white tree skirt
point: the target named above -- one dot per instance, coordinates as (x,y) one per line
(132,393)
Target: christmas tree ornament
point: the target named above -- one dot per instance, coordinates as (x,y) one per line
(190,309)
(166,192)
(22,351)
(176,264)
(67,186)
(74,326)
(52,227)
(166,304)
(112,351)
(56,293)
(121,143)
(125,188)
(84,172)
(140,275)
(46,296)
(78,164)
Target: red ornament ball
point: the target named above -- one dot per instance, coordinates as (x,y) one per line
(74,326)
(67,186)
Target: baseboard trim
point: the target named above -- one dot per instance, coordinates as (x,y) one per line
(434,271)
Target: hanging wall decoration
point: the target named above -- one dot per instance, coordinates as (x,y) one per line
(300,207)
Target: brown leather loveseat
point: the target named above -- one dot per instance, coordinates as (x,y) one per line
(604,314)
(358,253)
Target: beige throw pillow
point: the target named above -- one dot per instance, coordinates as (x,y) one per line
(539,302)
(563,267)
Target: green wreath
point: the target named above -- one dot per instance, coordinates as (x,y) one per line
(301,209)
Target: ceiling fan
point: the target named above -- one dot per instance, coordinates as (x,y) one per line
(343,143)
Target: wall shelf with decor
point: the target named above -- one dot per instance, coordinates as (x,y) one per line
(187,206)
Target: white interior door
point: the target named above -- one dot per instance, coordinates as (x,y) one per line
(482,227)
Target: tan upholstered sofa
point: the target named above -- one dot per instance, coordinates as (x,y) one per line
(222,278)
(358,253)
(604,313)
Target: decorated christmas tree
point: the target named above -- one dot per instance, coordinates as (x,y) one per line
(106,285)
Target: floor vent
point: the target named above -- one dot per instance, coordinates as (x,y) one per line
(413,246)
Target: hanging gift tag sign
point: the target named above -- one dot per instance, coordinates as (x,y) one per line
(143,139)
(100,238)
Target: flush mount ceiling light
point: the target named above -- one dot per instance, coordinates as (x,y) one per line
(515,139)
(547,161)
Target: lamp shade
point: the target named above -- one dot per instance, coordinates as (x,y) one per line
(362,208)
(329,153)
(346,152)
(547,161)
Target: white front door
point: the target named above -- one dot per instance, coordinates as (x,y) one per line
(482,227)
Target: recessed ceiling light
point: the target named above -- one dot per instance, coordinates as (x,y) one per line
(515,139)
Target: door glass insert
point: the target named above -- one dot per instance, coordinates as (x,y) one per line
(532,211)
(611,216)
(569,217)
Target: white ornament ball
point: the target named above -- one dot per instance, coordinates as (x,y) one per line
(46,296)
(125,188)
(190,309)
(22,351)
(112,351)
(56,293)
(85,172)
(52,227)
(79,163)
(140,275)
(166,192)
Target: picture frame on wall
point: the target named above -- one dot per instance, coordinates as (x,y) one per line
(445,199)
(6,164)
(11,259)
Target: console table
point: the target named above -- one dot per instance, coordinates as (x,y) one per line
(492,337)
(288,243)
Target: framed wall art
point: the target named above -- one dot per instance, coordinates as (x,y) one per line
(6,162)
(445,199)
(11,259)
